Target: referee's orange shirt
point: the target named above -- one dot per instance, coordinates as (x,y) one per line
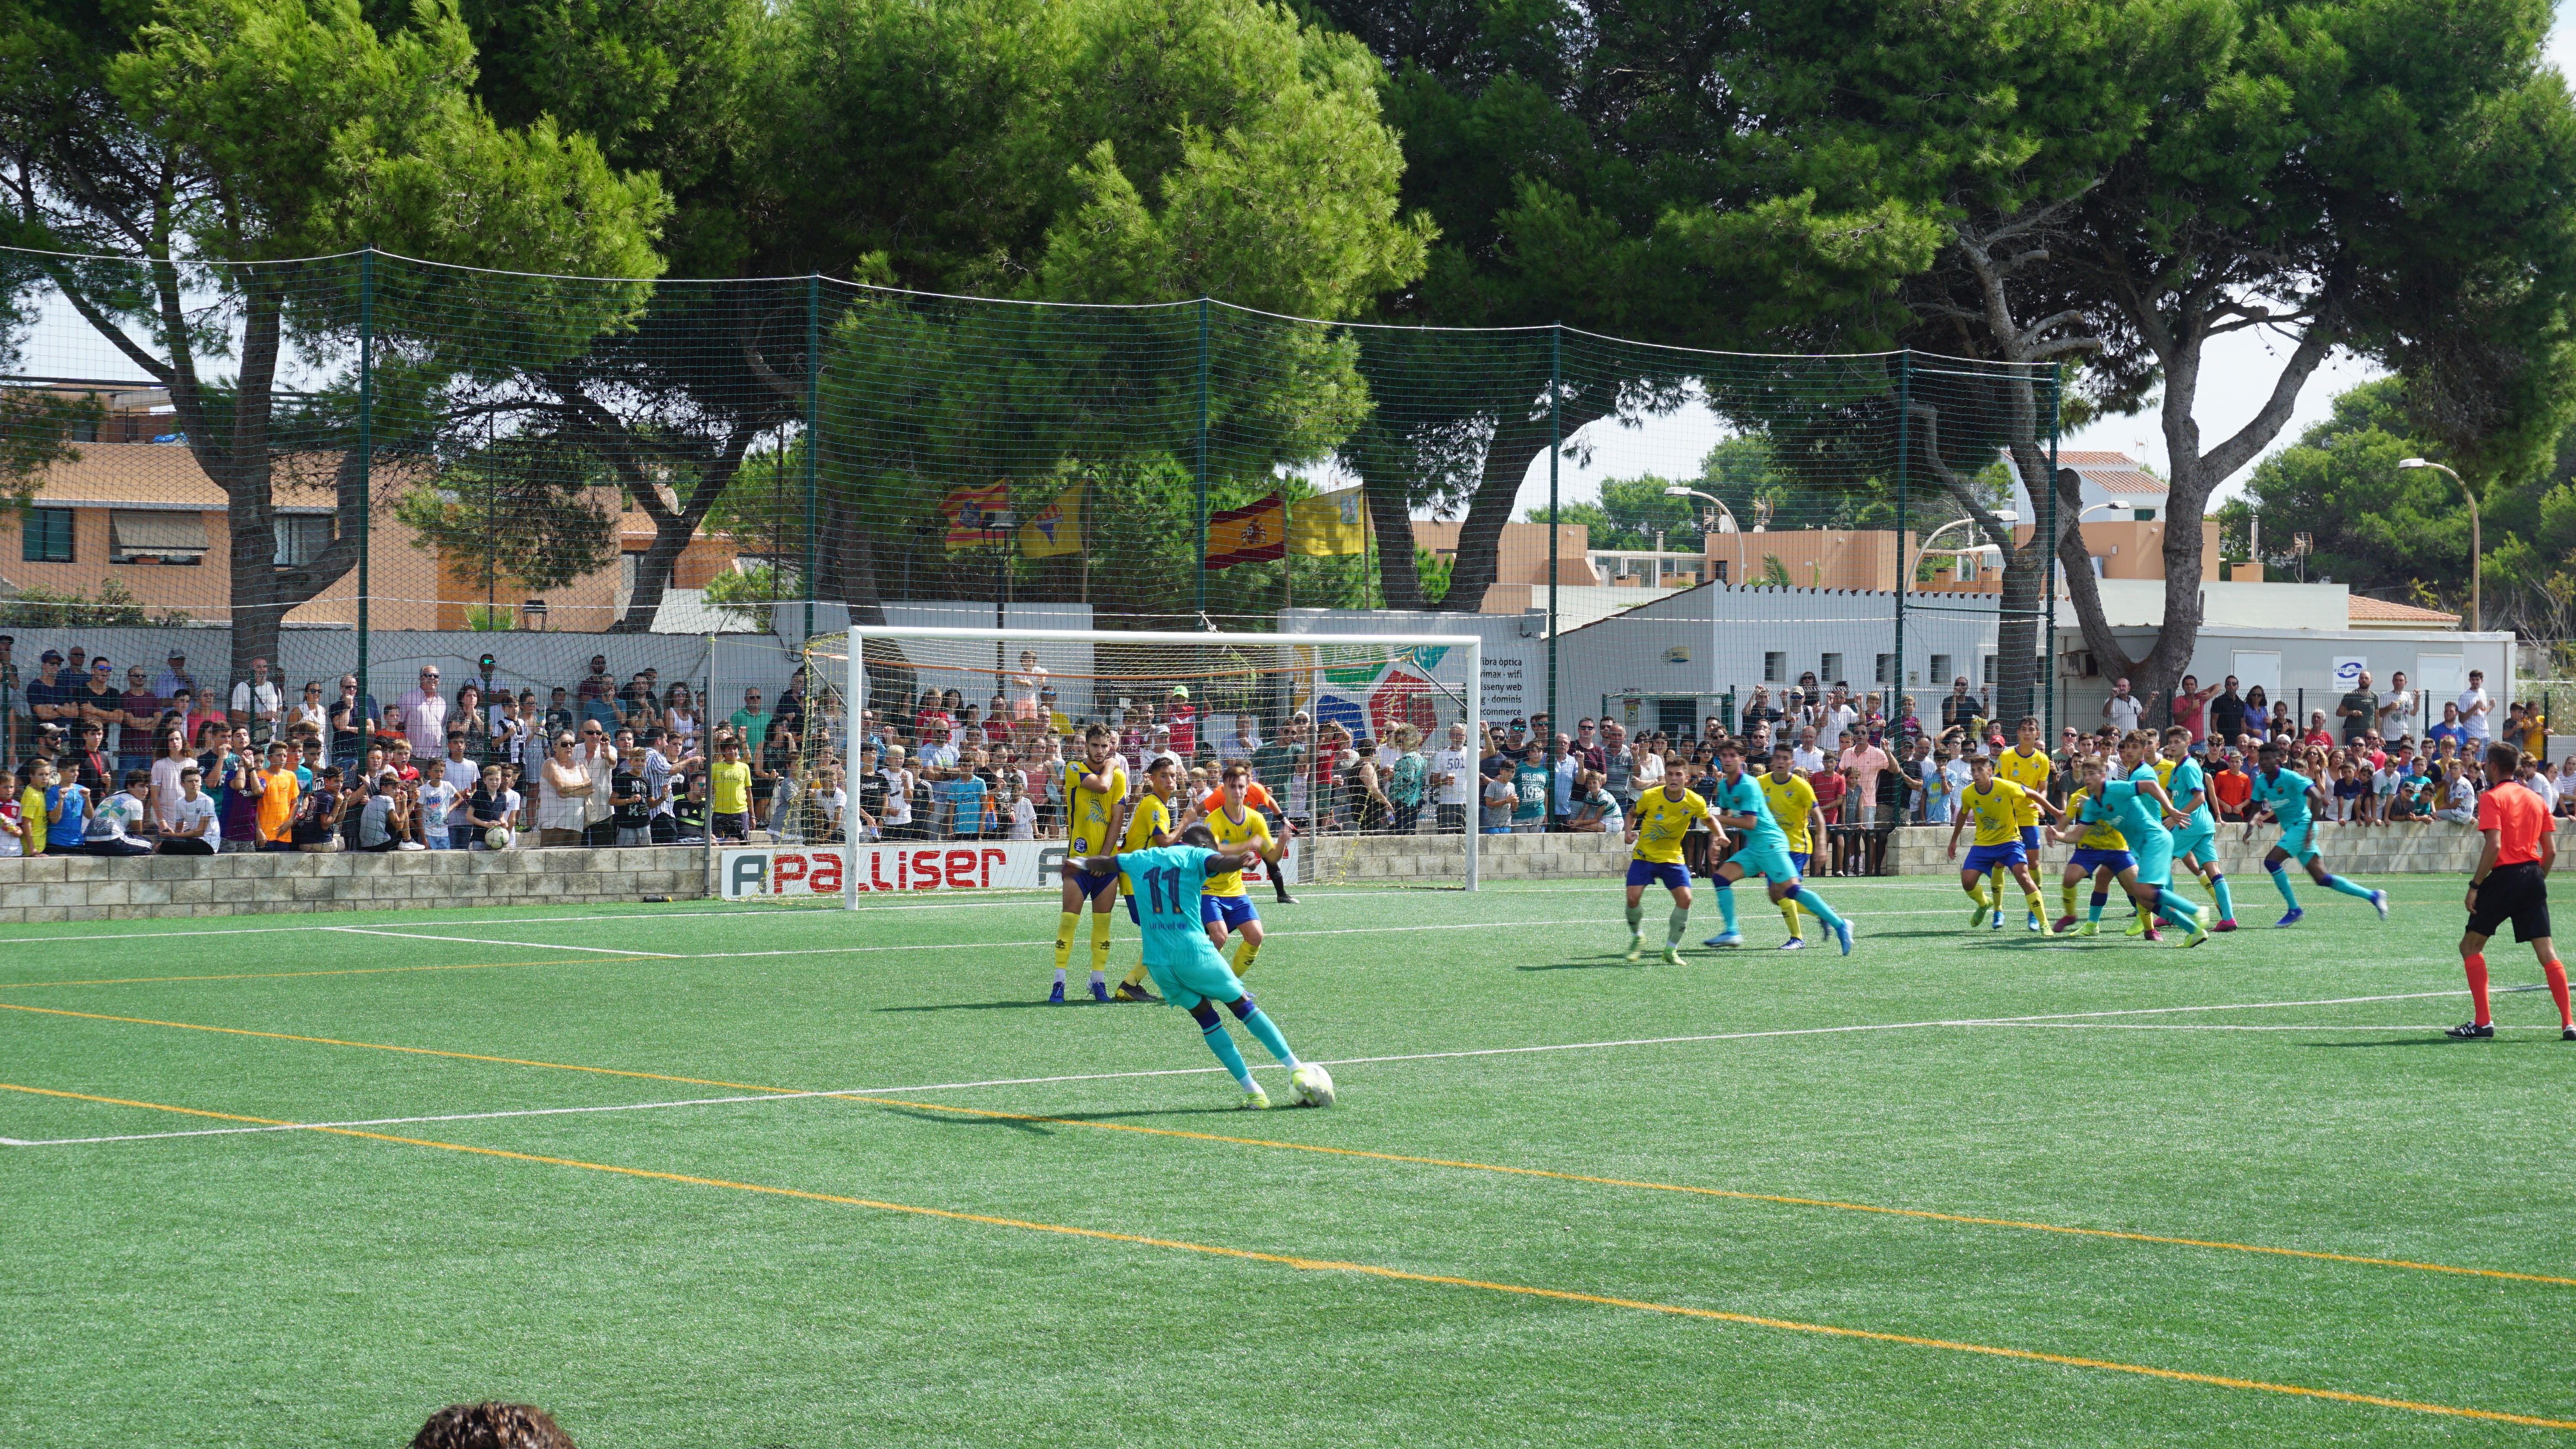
(2517,817)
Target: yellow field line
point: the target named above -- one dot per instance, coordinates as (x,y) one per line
(1399,1275)
(375,1046)
(269,975)
(1459,1164)
(1818,1202)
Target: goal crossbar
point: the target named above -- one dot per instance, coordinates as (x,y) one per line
(1469,647)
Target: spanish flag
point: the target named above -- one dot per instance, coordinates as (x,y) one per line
(1055,530)
(1329,523)
(1254,533)
(977,515)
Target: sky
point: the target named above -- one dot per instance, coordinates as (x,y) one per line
(2237,375)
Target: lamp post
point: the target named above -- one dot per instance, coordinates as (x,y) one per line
(1676,490)
(2300,543)
(2004,516)
(2477,544)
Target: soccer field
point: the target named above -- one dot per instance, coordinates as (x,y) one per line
(692,1175)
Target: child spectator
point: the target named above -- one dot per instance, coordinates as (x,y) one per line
(34,819)
(968,805)
(434,802)
(66,814)
(191,828)
(13,821)
(630,799)
(492,806)
(729,786)
(279,790)
(115,816)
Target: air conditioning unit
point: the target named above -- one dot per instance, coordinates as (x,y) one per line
(2077,664)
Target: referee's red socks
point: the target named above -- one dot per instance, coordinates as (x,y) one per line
(2556,971)
(2477,965)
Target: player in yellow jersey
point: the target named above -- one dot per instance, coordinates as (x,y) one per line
(1657,827)
(1223,907)
(1992,804)
(2101,852)
(1793,805)
(1095,794)
(1150,826)
(2026,764)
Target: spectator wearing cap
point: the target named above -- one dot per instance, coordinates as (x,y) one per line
(258,703)
(46,697)
(421,715)
(175,677)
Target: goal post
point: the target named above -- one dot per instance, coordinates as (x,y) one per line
(1308,703)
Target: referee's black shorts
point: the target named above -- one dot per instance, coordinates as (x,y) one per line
(2516,893)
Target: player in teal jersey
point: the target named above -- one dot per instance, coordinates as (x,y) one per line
(2196,842)
(1166,882)
(2291,798)
(2143,808)
(1762,849)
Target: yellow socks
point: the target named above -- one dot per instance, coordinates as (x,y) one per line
(1099,944)
(1064,928)
(2069,892)
(1244,953)
(2038,911)
(1135,976)
(1789,913)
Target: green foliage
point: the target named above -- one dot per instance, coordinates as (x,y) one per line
(532,509)
(746,594)
(1630,513)
(37,430)
(1434,572)
(114,607)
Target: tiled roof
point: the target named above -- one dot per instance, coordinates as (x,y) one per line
(2384,611)
(2112,472)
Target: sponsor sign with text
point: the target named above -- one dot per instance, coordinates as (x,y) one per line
(749,872)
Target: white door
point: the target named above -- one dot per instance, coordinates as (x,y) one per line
(2258,667)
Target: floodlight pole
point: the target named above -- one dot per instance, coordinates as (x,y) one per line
(2477,546)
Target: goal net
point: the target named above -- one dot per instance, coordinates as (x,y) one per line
(934,759)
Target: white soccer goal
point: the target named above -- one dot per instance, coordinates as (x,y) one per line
(1297,708)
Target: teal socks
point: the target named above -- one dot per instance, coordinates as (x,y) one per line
(1223,1045)
(2339,884)
(2174,908)
(2281,882)
(2100,899)
(1815,906)
(1725,908)
(2226,901)
(1260,1025)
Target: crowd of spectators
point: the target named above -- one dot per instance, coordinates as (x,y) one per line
(110,761)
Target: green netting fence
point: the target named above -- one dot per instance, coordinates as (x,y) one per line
(237,476)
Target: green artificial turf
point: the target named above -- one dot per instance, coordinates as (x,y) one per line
(310,1288)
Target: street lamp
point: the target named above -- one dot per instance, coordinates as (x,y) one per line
(2109,508)
(2477,542)
(1676,490)
(2005,516)
(2300,544)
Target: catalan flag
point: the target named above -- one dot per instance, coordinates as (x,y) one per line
(978,515)
(1254,533)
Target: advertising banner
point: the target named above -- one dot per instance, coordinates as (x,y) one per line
(762,871)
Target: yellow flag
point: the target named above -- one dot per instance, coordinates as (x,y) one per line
(1056,529)
(1329,523)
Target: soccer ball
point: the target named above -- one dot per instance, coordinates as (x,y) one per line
(1314,1085)
(497,838)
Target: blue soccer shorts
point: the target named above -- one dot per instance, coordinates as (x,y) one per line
(1984,858)
(1235,911)
(2089,861)
(1653,872)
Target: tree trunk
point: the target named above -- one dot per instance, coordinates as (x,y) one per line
(1391,519)
(1516,441)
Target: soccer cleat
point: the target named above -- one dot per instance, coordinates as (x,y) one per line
(2141,925)
(1977,917)
(1725,938)
(1314,1085)
(2089,928)
(2379,903)
(1139,994)
(2567,1033)
(2034,923)
(1672,956)
(1100,992)
(2471,1030)
(2196,935)
(1056,997)
(2296,915)
(1843,936)
(2153,936)
(1636,947)
(1794,943)
(1253,1100)
(1997,923)
(2226,925)
(2066,925)
(1290,901)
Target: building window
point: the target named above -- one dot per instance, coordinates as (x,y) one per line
(1992,668)
(1830,669)
(2144,515)
(1883,669)
(1938,670)
(1775,667)
(301,537)
(46,536)
(156,538)
(1720,566)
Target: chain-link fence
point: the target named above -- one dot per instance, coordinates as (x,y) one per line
(371,497)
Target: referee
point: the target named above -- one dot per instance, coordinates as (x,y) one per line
(2511,884)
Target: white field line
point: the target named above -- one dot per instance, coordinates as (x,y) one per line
(2058,1019)
(1018,899)
(479,941)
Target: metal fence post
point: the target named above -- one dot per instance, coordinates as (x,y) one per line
(1895,684)
(1201,505)
(366,450)
(813,443)
(2048,566)
(1555,526)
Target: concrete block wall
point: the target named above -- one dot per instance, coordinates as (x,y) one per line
(93,888)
